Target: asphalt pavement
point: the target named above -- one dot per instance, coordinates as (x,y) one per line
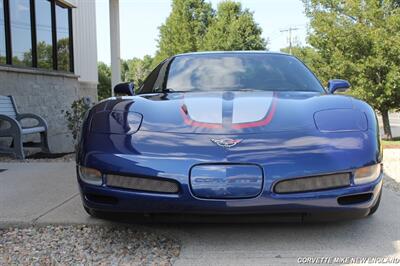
(394,119)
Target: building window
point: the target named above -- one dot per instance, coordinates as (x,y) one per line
(36,33)
(3,55)
(63,42)
(44,34)
(21,36)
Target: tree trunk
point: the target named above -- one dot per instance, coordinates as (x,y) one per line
(386,125)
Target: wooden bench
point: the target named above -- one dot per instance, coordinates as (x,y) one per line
(11,126)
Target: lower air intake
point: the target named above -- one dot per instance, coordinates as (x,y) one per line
(355,199)
(314,183)
(142,183)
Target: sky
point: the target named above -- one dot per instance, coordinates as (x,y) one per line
(140,19)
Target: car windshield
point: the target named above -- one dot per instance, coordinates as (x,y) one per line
(240,71)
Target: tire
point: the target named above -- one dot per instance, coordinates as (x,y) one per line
(376,206)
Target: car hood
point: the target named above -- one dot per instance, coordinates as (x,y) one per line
(227,112)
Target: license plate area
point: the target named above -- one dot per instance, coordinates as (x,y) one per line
(226,181)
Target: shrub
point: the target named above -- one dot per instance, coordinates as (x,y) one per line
(76,115)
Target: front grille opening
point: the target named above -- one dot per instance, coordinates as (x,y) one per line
(313,183)
(355,199)
(142,184)
(96,198)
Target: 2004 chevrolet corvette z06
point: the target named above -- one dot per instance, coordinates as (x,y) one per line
(231,134)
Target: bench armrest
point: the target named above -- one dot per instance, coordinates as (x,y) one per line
(39,119)
(14,125)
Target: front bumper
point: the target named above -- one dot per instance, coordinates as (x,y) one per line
(321,204)
(281,155)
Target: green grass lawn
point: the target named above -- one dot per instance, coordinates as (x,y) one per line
(391,144)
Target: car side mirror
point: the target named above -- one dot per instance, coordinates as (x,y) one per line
(339,85)
(126,88)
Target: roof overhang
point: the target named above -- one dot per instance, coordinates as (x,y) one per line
(68,3)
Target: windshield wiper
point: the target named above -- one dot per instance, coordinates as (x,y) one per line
(243,90)
(167,90)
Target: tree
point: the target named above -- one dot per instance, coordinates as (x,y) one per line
(360,41)
(311,58)
(63,53)
(44,55)
(184,29)
(104,86)
(233,29)
(193,26)
(137,69)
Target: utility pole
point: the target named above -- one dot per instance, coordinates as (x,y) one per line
(290,37)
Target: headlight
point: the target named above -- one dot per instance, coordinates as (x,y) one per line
(90,175)
(367,174)
(340,120)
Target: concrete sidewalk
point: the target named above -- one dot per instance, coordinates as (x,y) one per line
(40,193)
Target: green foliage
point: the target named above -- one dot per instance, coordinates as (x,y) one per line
(233,29)
(104,86)
(311,58)
(76,115)
(45,55)
(63,50)
(136,69)
(360,41)
(193,26)
(184,29)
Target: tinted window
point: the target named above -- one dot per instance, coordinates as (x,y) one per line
(62,38)
(21,39)
(149,85)
(257,71)
(44,34)
(2,35)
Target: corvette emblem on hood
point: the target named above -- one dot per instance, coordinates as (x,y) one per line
(226,143)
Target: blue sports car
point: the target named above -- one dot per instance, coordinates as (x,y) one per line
(231,134)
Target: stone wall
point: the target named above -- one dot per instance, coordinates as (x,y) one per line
(45,93)
(88,89)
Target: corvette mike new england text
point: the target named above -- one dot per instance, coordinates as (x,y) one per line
(348,260)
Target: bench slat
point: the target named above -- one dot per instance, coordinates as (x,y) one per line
(5,98)
(7,107)
(7,111)
(6,103)
(8,114)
